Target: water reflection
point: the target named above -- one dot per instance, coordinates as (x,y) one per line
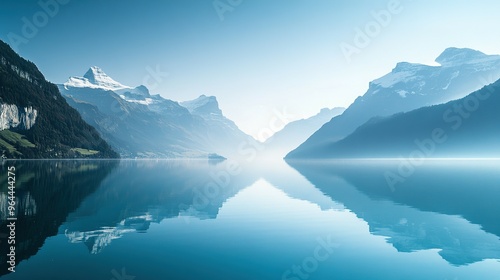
(143,192)
(46,192)
(199,220)
(450,206)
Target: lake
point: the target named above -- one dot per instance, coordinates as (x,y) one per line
(196,219)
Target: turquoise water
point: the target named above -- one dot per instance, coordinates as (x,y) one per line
(208,220)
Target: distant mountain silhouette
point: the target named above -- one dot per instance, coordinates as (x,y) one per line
(296,132)
(408,87)
(468,127)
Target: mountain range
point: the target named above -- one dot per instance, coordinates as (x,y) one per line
(36,121)
(393,118)
(467,127)
(408,87)
(139,124)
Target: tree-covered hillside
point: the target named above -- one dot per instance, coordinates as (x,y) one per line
(58,130)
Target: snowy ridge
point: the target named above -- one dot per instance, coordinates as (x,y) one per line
(95,78)
(395,77)
(406,72)
(407,87)
(452,57)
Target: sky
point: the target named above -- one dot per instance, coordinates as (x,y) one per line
(260,58)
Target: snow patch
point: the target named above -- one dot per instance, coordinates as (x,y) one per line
(453,76)
(402,93)
(95,78)
(391,79)
(146,101)
(453,57)
(403,72)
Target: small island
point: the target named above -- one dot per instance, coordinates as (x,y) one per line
(215,157)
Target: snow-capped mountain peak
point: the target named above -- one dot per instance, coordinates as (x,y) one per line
(406,88)
(452,59)
(203,105)
(95,78)
(458,56)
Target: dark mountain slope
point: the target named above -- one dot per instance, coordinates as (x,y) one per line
(408,87)
(36,121)
(468,127)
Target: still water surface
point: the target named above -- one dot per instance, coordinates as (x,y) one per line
(125,220)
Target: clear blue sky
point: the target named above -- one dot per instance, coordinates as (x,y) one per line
(264,54)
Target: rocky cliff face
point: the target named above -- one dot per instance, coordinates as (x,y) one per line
(36,121)
(12,116)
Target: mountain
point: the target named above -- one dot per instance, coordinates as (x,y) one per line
(219,129)
(139,124)
(205,106)
(36,121)
(468,127)
(296,132)
(95,78)
(409,86)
